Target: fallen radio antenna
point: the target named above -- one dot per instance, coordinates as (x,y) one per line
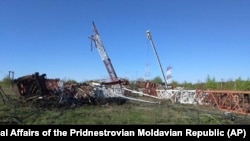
(115,87)
(157,57)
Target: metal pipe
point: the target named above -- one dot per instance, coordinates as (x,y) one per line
(152,43)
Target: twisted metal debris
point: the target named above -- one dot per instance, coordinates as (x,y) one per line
(37,87)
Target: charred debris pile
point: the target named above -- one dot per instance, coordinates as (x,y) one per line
(36,87)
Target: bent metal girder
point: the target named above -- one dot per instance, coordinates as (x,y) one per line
(225,100)
(232,101)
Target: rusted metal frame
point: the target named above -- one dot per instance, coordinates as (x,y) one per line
(234,102)
(200,96)
(212,99)
(236,107)
(226,91)
(226,100)
(242,104)
(246,103)
(225,104)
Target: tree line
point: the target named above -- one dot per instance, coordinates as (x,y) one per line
(210,83)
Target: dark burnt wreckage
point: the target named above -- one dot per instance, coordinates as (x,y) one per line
(37,87)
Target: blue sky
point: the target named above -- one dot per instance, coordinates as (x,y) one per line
(196,37)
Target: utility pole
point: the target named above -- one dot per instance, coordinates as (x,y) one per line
(11,77)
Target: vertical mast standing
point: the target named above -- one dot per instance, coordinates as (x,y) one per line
(152,43)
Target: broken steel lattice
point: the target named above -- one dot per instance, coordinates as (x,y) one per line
(114,88)
(225,100)
(230,102)
(38,87)
(233,101)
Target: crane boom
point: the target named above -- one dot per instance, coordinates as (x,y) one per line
(104,56)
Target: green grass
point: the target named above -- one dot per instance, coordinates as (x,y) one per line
(132,112)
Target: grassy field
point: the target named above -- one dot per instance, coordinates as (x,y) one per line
(15,111)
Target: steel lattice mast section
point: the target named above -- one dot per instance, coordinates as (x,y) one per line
(152,43)
(102,52)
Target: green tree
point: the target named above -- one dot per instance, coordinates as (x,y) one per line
(174,84)
(200,85)
(210,83)
(157,80)
(247,85)
(6,81)
(189,85)
(71,81)
(239,84)
(229,85)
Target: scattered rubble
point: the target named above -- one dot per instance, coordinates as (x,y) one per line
(37,87)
